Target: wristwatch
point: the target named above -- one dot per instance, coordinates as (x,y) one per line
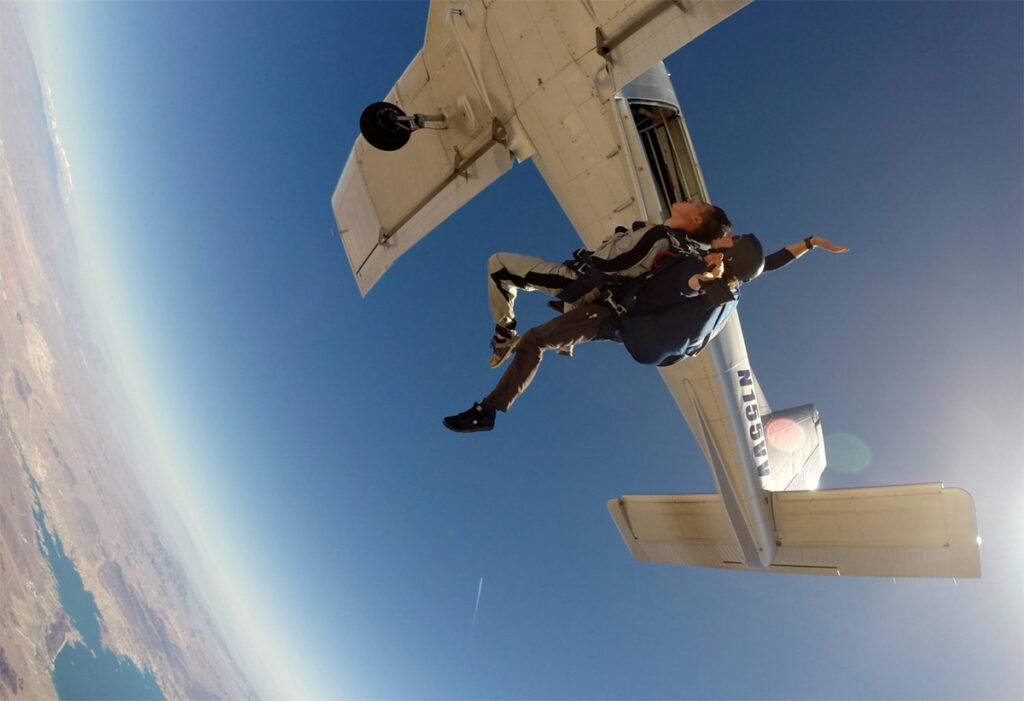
(807,242)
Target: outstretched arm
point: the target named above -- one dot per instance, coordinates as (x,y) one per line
(798,249)
(792,252)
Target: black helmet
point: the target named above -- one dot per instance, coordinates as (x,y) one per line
(745,259)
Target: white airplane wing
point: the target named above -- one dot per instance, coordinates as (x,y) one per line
(921,530)
(421,193)
(386,201)
(518,79)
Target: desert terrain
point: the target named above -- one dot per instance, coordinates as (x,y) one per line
(66,426)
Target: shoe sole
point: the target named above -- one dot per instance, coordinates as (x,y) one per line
(496,362)
(474,429)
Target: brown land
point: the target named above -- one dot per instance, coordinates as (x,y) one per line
(61,417)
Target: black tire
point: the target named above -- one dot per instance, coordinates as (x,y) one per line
(380,127)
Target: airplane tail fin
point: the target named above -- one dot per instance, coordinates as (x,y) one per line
(796,449)
(922,530)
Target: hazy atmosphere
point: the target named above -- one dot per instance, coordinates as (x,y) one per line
(275,507)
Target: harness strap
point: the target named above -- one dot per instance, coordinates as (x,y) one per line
(590,277)
(615,287)
(627,294)
(609,299)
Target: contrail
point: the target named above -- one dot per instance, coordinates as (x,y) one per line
(479,591)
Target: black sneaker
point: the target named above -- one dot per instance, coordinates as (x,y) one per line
(476,418)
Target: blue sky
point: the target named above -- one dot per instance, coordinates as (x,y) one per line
(300,424)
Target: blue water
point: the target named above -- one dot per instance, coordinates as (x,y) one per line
(85,671)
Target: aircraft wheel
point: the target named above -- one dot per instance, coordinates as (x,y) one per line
(379,125)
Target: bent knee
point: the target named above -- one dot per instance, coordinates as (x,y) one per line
(496,262)
(530,342)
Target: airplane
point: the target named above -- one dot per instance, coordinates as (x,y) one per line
(580,89)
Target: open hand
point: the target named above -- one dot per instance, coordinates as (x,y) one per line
(822,242)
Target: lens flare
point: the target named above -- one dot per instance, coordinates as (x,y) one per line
(785,434)
(847,453)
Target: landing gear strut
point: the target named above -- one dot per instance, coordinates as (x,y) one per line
(386,127)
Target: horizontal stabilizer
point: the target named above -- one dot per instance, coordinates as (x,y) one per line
(921,530)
